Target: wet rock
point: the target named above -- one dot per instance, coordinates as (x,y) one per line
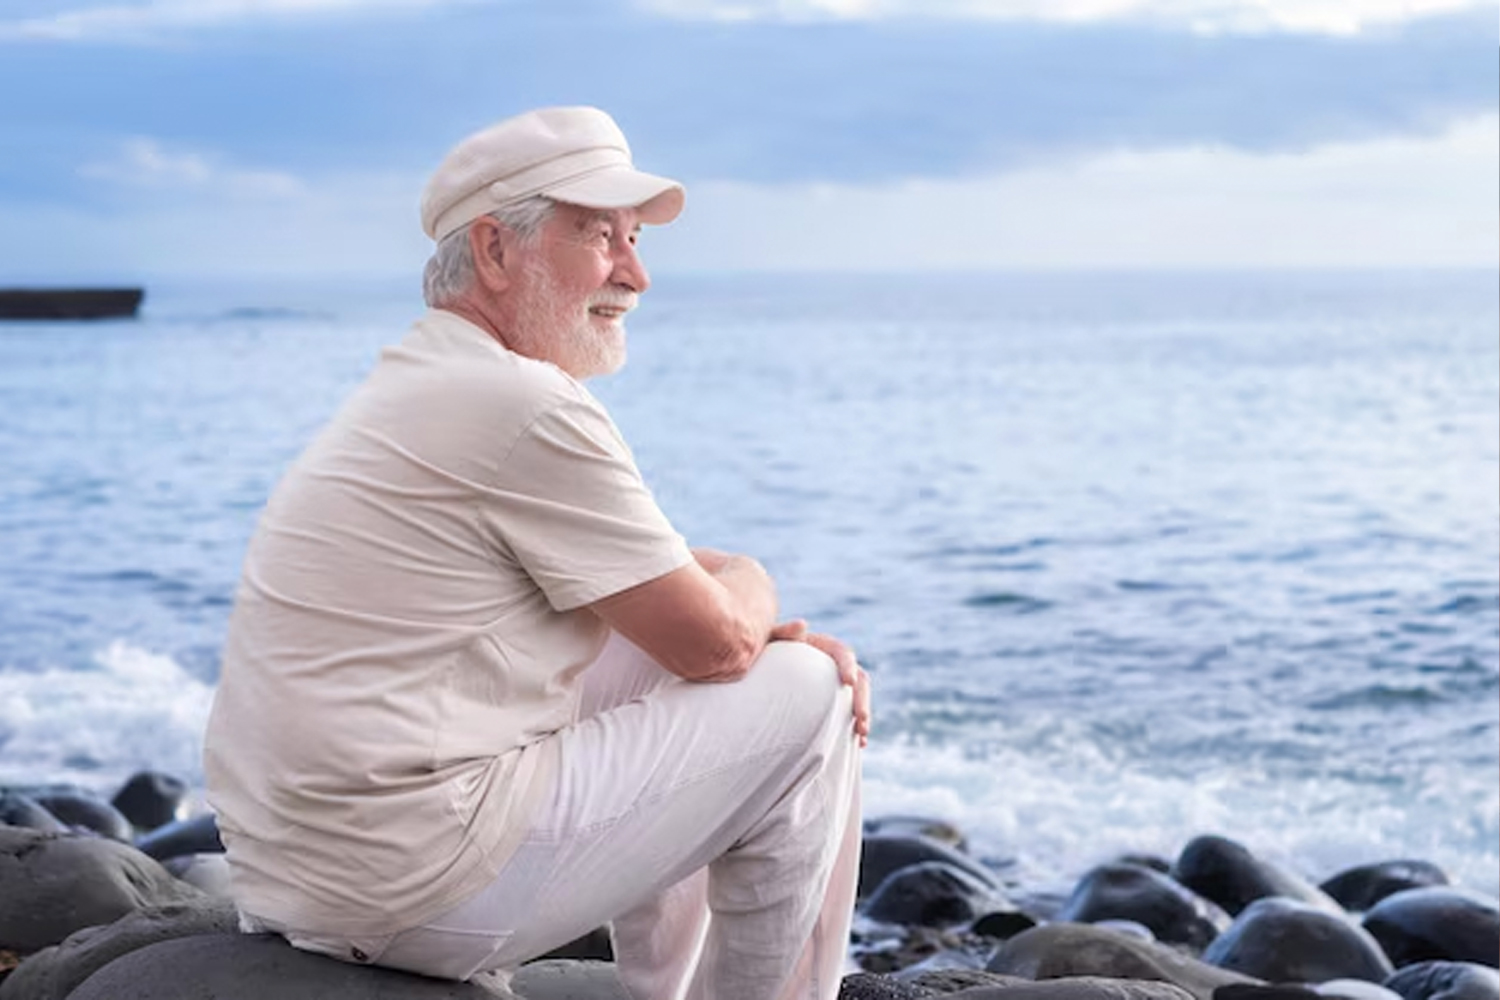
(1437,922)
(53,973)
(1285,940)
(197,835)
(933,894)
(1058,950)
(80,809)
(150,799)
(883,855)
(1171,911)
(1445,981)
(256,967)
(53,884)
(1362,887)
(17,809)
(1002,924)
(1225,872)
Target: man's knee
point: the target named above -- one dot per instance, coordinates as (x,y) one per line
(804,683)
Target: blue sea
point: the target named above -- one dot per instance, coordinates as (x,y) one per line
(1131,556)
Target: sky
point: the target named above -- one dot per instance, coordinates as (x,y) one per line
(161,139)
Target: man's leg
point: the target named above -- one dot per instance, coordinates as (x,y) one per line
(755,781)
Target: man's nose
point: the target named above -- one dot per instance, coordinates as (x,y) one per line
(629,271)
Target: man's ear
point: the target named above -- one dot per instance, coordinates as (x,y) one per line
(493,248)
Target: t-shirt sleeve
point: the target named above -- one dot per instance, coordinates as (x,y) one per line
(573,511)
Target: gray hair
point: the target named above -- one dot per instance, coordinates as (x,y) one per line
(450,269)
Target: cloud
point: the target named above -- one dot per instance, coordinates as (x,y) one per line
(1395,202)
(138,22)
(1329,16)
(144,163)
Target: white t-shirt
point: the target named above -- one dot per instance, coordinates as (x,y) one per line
(410,627)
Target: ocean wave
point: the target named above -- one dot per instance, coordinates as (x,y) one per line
(132,709)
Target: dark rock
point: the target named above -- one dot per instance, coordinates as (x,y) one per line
(1437,922)
(1221,870)
(21,810)
(1445,981)
(939,830)
(1285,940)
(1255,991)
(1153,861)
(1078,988)
(869,986)
(256,967)
(595,946)
(1058,950)
(80,809)
(1362,887)
(53,884)
(568,980)
(53,973)
(933,894)
(883,855)
(1170,910)
(1002,924)
(198,835)
(150,799)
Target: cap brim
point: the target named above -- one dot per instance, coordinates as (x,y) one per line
(658,200)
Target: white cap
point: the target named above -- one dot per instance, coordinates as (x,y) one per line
(576,155)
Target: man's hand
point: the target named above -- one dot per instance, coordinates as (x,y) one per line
(850,672)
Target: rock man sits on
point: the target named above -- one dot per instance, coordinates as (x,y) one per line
(478,697)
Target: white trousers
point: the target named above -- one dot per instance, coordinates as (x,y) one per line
(715,825)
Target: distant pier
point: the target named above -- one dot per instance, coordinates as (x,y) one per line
(69,303)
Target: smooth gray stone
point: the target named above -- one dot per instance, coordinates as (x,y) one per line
(1437,922)
(53,884)
(1224,871)
(53,973)
(934,894)
(256,967)
(80,809)
(1354,989)
(17,809)
(871,986)
(1078,988)
(1445,981)
(1361,887)
(195,835)
(1170,910)
(566,979)
(944,981)
(150,799)
(1054,951)
(881,855)
(1286,940)
(208,873)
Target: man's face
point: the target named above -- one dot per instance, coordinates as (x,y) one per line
(578,280)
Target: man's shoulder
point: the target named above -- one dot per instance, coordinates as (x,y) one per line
(465,368)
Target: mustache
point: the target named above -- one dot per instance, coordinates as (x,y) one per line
(613,299)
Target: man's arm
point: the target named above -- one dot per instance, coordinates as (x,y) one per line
(707,621)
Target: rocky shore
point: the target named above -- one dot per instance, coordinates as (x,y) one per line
(126,899)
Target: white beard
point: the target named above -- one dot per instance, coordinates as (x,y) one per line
(552,328)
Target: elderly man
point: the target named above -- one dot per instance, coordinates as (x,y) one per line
(478,697)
